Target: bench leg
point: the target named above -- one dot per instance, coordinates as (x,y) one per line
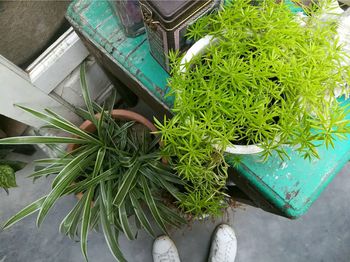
(242,191)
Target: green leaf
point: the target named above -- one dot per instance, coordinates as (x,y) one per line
(152,205)
(62,125)
(172,217)
(45,172)
(28,210)
(69,224)
(86,94)
(125,187)
(85,223)
(51,161)
(41,140)
(140,215)
(99,161)
(110,237)
(15,165)
(171,189)
(123,218)
(7,177)
(85,184)
(68,175)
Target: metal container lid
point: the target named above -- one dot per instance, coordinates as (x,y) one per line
(170,12)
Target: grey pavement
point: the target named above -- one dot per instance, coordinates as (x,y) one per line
(323,234)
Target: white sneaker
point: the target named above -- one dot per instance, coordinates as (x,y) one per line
(164,250)
(224,245)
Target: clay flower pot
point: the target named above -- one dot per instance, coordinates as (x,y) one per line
(118,114)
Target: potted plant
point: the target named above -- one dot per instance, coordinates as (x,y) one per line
(255,78)
(113,162)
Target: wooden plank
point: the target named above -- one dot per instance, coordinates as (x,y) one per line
(16,88)
(57,62)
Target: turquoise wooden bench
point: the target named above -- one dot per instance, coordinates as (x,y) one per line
(287,188)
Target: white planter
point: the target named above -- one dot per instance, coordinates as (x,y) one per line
(199,48)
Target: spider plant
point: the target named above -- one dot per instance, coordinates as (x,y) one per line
(117,169)
(266,80)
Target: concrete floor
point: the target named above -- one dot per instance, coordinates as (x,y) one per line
(323,234)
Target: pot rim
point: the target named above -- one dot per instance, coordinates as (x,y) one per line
(120,114)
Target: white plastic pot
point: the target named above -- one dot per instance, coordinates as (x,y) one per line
(200,48)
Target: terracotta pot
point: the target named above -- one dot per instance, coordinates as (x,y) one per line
(119,114)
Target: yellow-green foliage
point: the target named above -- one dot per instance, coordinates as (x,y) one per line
(267,81)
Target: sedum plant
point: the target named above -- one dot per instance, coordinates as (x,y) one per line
(117,170)
(267,80)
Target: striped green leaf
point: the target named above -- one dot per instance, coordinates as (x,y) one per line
(99,161)
(69,174)
(28,210)
(61,124)
(45,172)
(85,184)
(141,215)
(125,187)
(109,235)
(67,222)
(85,222)
(152,205)
(30,140)
(86,94)
(123,218)
(78,163)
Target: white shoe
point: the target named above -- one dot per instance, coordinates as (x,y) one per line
(164,250)
(224,245)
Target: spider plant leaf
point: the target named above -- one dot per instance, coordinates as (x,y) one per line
(99,161)
(28,210)
(86,93)
(152,205)
(85,184)
(95,214)
(125,187)
(110,101)
(41,140)
(100,122)
(83,114)
(79,162)
(72,218)
(45,172)
(110,237)
(123,218)
(141,215)
(85,222)
(63,125)
(150,176)
(67,175)
(170,188)
(51,161)
(109,202)
(173,217)
(166,174)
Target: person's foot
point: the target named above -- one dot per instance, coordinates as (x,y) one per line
(224,245)
(164,250)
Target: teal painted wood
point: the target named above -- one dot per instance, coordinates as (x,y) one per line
(96,21)
(293,185)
